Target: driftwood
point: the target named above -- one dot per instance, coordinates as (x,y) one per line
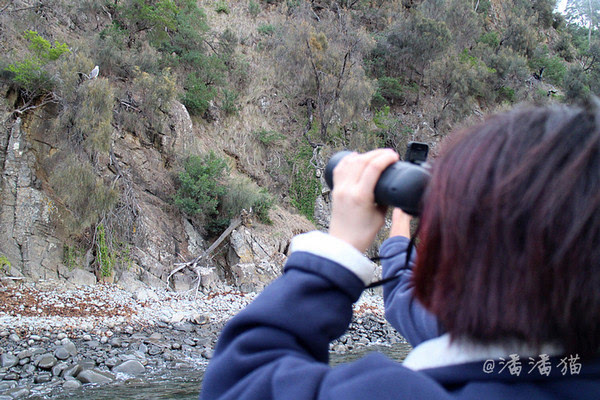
(200,262)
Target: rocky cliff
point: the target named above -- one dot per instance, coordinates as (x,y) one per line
(33,242)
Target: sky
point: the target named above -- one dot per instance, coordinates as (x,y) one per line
(560,7)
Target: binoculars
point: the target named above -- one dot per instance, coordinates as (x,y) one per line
(402,184)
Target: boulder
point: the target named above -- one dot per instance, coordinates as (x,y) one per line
(79,277)
(8,360)
(130,367)
(46,361)
(95,376)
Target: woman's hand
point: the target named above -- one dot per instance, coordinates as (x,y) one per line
(355,217)
(400,223)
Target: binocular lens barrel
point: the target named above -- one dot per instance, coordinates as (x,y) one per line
(401,185)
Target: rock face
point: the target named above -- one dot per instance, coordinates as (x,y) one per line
(256,256)
(143,162)
(29,237)
(25,216)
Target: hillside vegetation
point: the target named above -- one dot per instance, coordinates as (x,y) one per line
(273,88)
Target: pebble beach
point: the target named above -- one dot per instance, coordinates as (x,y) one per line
(54,338)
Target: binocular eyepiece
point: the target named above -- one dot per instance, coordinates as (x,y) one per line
(402,184)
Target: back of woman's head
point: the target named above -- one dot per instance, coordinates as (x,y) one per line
(510,235)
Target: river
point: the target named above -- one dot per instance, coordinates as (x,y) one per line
(185,385)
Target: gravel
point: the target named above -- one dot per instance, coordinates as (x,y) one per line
(55,338)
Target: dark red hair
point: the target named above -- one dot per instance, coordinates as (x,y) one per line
(510,231)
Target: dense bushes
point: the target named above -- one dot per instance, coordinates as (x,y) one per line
(83,194)
(208,195)
(31,73)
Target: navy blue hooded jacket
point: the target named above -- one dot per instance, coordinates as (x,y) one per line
(277,348)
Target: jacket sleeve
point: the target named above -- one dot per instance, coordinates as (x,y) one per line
(277,347)
(405,313)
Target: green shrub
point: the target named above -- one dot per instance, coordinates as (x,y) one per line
(575,84)
(390,91)
(198,95)
(105,258)
(81,192)
(222,7)
(506,94)
(304,185)
(201,185)
(253,9)
(201,85)
(155,18)
(554,67)
(266,29)
(267,137)
(31,73)
(4,264)
(243,194)
(229,103)
(491,39)
(155,91)
(90,122)
(70,257)
(391,131)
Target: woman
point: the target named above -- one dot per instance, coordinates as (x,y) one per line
(508,265)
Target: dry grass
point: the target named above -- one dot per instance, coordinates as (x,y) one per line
(263,103)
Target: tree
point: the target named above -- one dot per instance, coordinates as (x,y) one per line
(322,60)
(32,74)
(410,46)
(584,12)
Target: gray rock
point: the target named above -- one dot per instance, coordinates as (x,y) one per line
(207,353)
(139,336)
(340,348)
(183,327)
(71,384)
(12,376)
(28,369)
(7,385)
(130,367)
(199,319)
(24,361)
(155,350)
(17,393)
(70,347)
(73,371)
(80,277)
(189,342)
(59,368)
(116,342)
(111,362)
(46,361)
(25,354)
(175,346)
(61,336)
(95,376)
(8,360)
(61,353)
(156,336)
(130,282)
(43,377)
(142,348)
(14,338)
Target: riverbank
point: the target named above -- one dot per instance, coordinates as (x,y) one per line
(56,338)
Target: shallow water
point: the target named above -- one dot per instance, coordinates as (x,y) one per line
(185,385)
